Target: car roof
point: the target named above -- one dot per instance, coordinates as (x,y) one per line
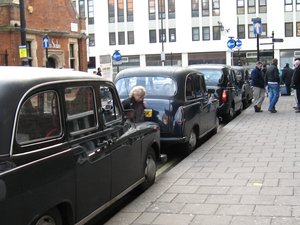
(210,66)
(166,71)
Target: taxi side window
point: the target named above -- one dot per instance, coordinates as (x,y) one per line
(189,88)
(39,118)
(80,109)
(109,108)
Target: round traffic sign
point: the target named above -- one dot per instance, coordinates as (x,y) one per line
(231,43)
(117,56)
(238,43)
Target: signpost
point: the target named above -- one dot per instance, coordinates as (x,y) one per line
(46,45)
(116,57)
(257,30)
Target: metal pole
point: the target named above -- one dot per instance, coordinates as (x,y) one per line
(257,46)
(23,30)
(272,44)
(162,33)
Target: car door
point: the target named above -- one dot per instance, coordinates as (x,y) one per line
(193,109)
(208,106)
(125,142)
(39,171)
(88,142)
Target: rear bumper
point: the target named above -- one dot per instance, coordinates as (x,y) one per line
(222,110)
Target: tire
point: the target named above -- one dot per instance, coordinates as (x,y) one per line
(52,217)
(150,169)
(190,146)
(230,115)
(215,130)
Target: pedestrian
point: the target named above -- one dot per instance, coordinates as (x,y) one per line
(287,74)
(99,72)
(136,102)
(273,81)
(264,70)
(258,83)
(296,83)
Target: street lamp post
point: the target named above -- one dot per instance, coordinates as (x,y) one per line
(23,31)
(162,56)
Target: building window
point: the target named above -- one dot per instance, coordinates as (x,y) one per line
(240,7)
(297,5)
(251,6)
(205,33)
(152,36)
(151,6)
(162,35)
(288,29)
(262,6)
(121,38)
(120,11)
(29,52)
(205,8)
(129,10)
(81,8)
(250,31)
(241,31)
(195,8)
(130,36)
(288,5)
(264,28)
(172,35)
(74,4)
(195,34)
(90,11)
(72,56)
(171,8)
(92,62)
(298,29)
(112,38)
(111,11)
(161,9)
(91,40)
(216,33)
(216,8)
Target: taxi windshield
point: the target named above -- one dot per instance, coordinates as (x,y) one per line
(155,86)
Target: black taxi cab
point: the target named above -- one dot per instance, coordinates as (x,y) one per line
(177,99)
(67,152)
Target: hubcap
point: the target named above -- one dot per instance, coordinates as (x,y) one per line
(150,170)
(46,220)
(193,140)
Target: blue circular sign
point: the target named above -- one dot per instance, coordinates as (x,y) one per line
(238,43)
(231,43)
(117,56)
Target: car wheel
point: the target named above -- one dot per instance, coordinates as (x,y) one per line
(150,169)
(215,130)
(190,146)
(52,217)
(230,114)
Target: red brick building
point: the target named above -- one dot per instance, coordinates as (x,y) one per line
(58,19)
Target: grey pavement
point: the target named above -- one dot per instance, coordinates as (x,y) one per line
(246,174)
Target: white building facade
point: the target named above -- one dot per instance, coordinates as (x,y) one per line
(184,32)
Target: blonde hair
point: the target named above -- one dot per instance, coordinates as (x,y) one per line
(137,90)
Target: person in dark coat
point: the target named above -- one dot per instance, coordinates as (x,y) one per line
(258,83)
(136,102)
(99,72)
(273,81)
(296,83)
(287,74)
